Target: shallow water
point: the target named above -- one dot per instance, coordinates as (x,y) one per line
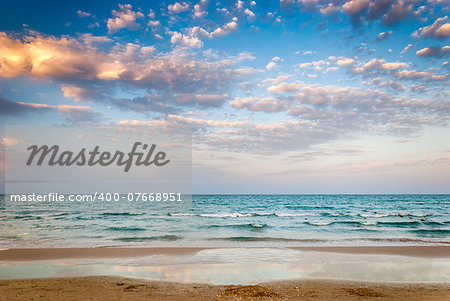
(243,266)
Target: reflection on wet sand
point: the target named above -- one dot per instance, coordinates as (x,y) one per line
(242,266)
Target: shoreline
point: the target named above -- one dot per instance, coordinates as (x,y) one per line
(121,288)
(36,254)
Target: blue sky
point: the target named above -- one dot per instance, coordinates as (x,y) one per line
(284,97)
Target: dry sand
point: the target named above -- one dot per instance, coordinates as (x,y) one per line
(116,288)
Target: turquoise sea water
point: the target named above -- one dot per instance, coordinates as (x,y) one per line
(232,221)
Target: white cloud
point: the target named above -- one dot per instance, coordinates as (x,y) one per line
(226,29)
(271,65)
(284,88)
(344,62)
(82,14)
(384,35)
(124,18)
(190,41)
(178,7)
(263,104)
(407,48)
(353,7)
(250,15)
(434,51)
(439,29)
(200,9)
(154,23)
(75,92)
(380,65)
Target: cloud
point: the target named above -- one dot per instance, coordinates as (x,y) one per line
(200,9)
(354,7)
(440,29)
(329,9)
(378,8)
(263,104)
(320,114)
(77,93)
(379,65)
(75,114)
(10,108)
(178,7)
(407,48)
(82,14)
(226,29)
(277,80)
(383,36)
(344,62)
(395,85)
(153,23)
(187,40)
(271,65)
(284,88)
(390,12)
(314,64)
(9,141)
(197,121)
(398,12)
(193,36)
(72,114)
(250,15)
(124,18)
(211,99)
(436,51)
(87,73)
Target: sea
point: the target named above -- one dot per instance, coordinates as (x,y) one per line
(231,221)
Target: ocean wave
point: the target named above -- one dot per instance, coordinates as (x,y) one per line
(431,231)
(320,223)
(241,226)
(222,215)
(369,223)
(404,240)
(148,238)
(334,214)
(375,215)
(281,214)
(399,223)
(180,214)
(263,214)
(27,217)
(254,238)
(126,229)
(121,213)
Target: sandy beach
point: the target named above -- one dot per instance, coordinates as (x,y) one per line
(117,288)
(101,287)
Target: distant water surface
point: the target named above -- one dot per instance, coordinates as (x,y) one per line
(232,221)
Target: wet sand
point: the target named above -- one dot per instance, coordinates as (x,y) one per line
(111,252)
(120,288)
(117,288)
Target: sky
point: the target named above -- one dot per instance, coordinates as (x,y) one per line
(305,96)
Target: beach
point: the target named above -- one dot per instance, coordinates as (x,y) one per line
(225,150)
(230,247)
(33,254)
(80,274)
(118,288)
